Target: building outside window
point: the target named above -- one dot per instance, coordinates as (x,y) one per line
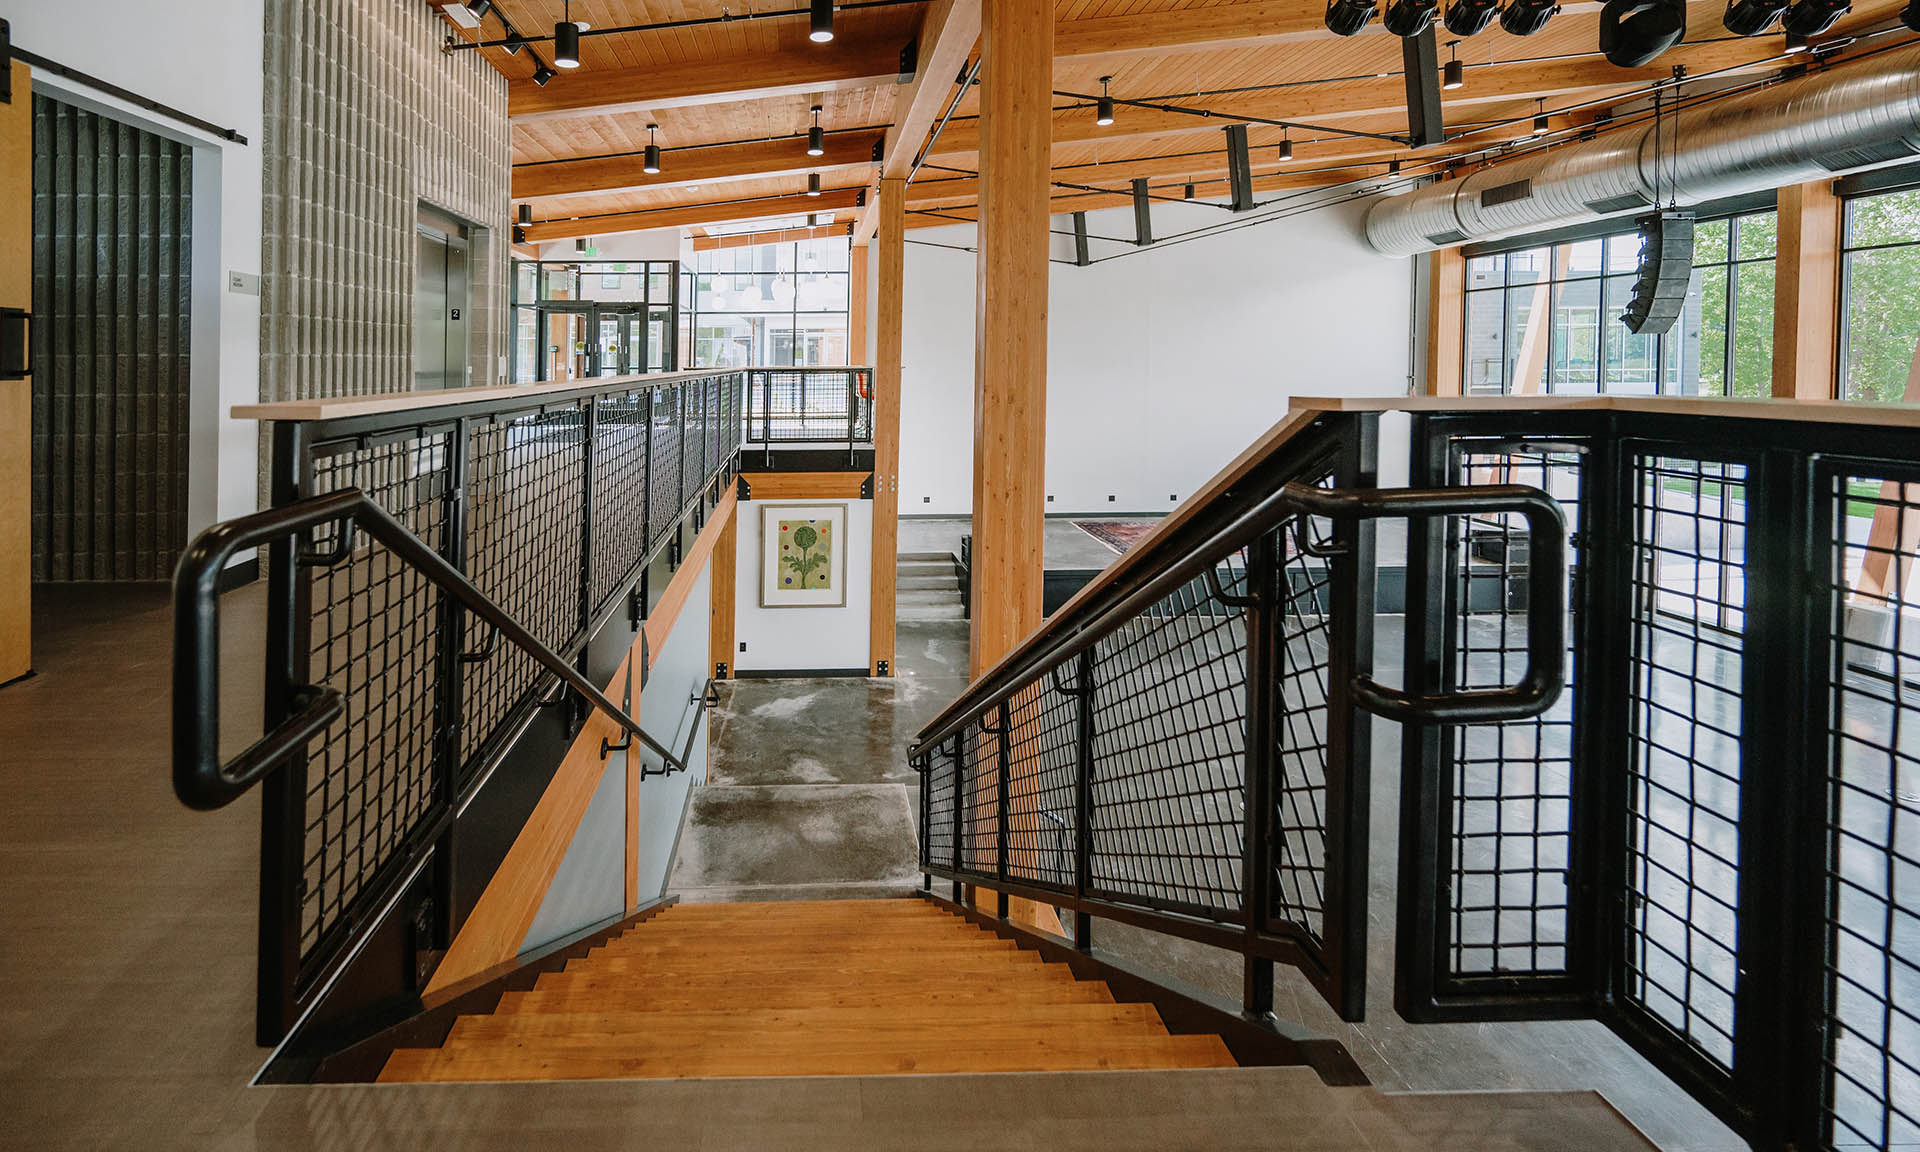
(1547,319)
(1880,269)
(772,304)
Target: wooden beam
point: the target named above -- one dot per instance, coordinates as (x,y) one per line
(948,33)
(1010,335)
(16,396)
(891,257)
(720,641)
(805,485)
(803,70)
(684,166)
(780,236)
(1446,321)
(692,214)
(1806,294)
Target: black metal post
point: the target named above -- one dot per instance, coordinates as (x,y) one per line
(1263,577)
(1083,803)
(284,793)
(446,782)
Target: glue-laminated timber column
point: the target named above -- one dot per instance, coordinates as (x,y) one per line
(891,244)
(1446,321)
(16,447)
(1010,331)
(1806,293)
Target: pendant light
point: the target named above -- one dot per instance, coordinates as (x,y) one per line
(526,213)
(1189,195)
(1455,75)
(813,183)
(1103,111)
(566,39)
(542,74)
(816,139)
(651,164)
(1286,145)
(1540,126)
(822,30)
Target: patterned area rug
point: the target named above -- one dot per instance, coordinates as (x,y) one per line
(1118,535)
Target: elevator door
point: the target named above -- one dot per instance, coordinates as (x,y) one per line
(441,304)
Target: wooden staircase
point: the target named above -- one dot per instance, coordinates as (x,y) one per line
(852,987)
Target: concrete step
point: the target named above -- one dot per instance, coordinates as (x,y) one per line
(927,597)
(947,583)
(944,557)
(952,611)
(926,567)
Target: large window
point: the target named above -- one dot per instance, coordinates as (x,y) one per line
(772,304)
(1547,319)
(1880,264)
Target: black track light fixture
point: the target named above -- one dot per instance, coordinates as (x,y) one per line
(1286,148)
(650,164)
(1406,18)
(1348,17)
(1189,192)
(566,39)
(822,22)
(542,74)
(1454,75)
(479,8)
(526,213)
(1103,108)
(1813,17)
(813,183)
(1910,16)
(816,139)
(1470,17)
(1634,32)
(1393,166)
(1752,17)
(515,42)
(1540,125)
(1525,17)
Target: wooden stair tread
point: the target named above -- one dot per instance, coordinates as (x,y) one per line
(526,1062)
(851,987)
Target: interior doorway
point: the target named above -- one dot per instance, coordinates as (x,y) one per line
(112,270)
(589,340)
(443,303)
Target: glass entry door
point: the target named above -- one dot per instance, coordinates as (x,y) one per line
(588,341)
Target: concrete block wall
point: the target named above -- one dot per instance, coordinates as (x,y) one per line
(366,118)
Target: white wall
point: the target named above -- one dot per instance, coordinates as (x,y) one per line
(1162,365)
(658,244)
(803,638)
(205,60)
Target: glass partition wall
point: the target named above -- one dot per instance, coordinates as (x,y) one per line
(575,320)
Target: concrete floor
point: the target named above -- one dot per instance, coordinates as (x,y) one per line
(1066,547)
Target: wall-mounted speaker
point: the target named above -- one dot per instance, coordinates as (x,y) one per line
(1666,268)
(1634,32)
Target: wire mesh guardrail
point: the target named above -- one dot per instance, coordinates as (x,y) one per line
(819,406)
(550,507)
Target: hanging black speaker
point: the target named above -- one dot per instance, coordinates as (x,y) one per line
(1470,17)
(1666,268)
(1634,32)
(1814,17)
(1410,17)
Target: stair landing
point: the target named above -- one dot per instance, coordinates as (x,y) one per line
(829,988)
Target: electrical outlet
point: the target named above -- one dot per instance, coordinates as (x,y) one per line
(1109,499)
(743,645)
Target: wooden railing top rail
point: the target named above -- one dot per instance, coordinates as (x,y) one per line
(385,403)
(1874,414)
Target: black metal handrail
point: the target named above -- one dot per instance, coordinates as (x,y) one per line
(200,780)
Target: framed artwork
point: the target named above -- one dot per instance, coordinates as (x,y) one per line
(803,555)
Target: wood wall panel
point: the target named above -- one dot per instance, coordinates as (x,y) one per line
(16,445)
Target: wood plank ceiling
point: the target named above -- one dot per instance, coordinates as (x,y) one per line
(731,99)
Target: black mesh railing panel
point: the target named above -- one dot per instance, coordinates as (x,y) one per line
(619,488)
(942,787)
(1511,783)
(524,491)
(1689,593)
(1042,821)
(714,424)
(1872,1085)
(809,405)
(693,442)
(980,796)
(374,636)
(663,490)
(1169,750)
(1301,812)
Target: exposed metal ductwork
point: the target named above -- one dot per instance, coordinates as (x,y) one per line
(1851,117)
